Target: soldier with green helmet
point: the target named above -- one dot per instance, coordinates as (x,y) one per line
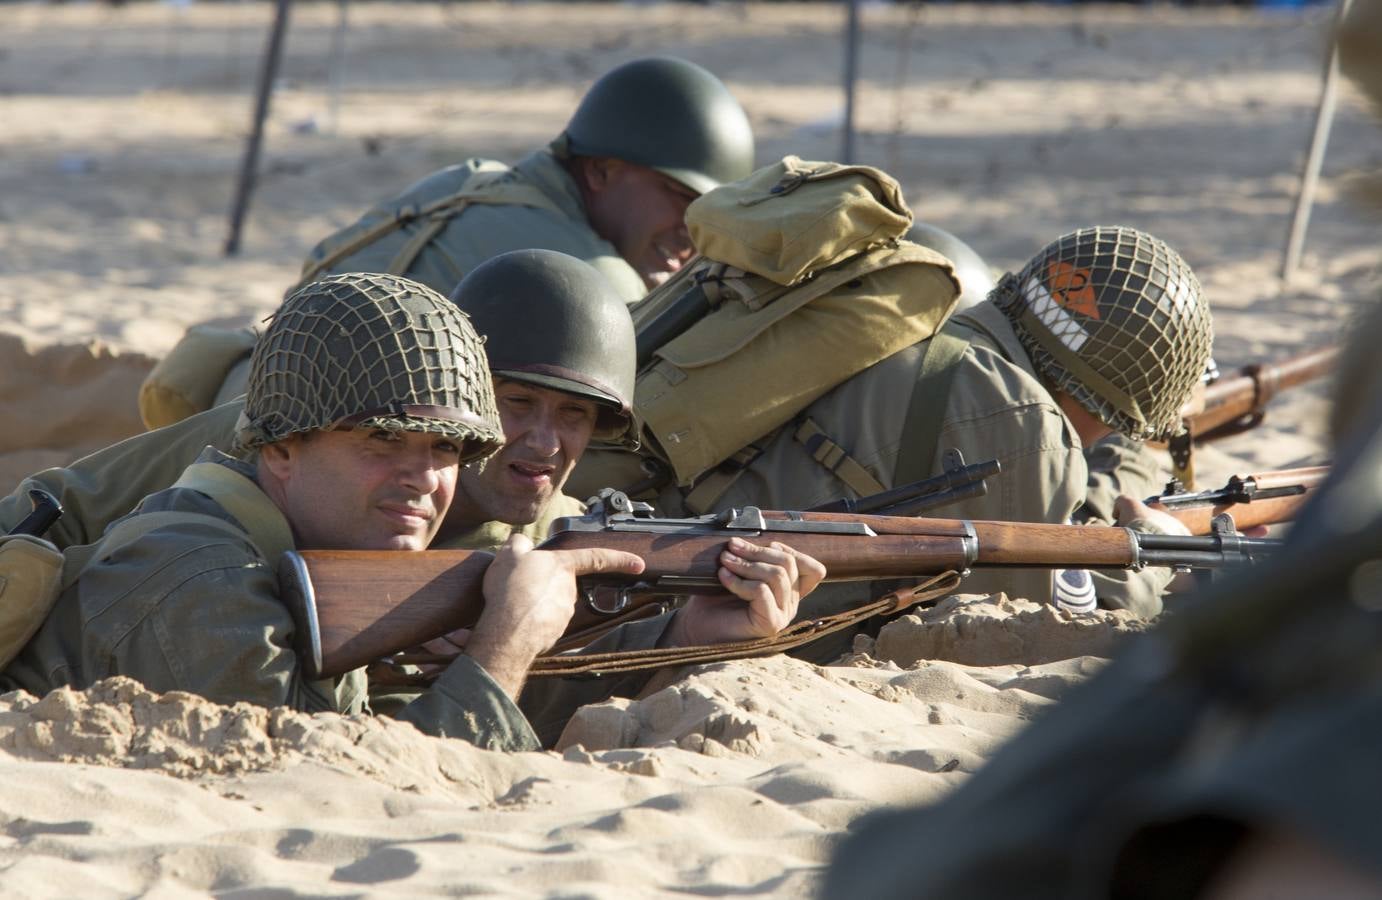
(648,138)
(612,189)
(554,392)
(1100,338)
(367,394)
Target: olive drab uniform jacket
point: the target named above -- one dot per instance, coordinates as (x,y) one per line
(104,486)
(855,441)
(191,604)
(534,204)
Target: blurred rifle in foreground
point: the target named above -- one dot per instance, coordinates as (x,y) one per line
(1264,498)
(353,607)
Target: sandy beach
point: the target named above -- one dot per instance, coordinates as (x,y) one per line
(121,130)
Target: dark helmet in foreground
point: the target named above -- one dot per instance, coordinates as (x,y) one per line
(974,275)
(667,114)
(370,351)
(1115,318)
(554,321)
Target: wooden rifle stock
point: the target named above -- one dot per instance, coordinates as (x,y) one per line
(1264,498)
(353,607)
(1235,403)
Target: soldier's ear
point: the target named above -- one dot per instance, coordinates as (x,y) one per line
(596,172)
(279,457)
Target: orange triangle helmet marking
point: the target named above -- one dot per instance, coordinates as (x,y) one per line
(1070,288)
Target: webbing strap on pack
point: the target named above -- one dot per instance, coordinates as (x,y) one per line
(835,460)
(266,527)
(439,213)
(921,429)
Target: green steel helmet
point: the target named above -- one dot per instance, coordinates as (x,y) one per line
(554,321)
(1115,318)
(370,351)
(667,114)
(975,276)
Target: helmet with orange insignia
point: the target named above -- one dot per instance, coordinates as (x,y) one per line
(1115,318)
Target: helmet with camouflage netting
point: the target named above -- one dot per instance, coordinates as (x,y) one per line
(1115,318)
(370,351)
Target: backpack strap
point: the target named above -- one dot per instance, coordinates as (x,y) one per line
(708,491)
(261,523)
(921,430)
(835,460)
(261,520)
(482,187)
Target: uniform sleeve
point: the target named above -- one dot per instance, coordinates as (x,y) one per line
(1045,478)
(1118,465)
(100,488)
(178,613)
(1042,473)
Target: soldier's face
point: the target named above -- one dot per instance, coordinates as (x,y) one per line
(643,214)
(545,433)
(362,490)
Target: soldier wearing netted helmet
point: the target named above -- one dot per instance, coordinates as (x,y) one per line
(381,364)
(368,392)
(1060,375)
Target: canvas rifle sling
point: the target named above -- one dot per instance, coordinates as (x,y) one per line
(789,638)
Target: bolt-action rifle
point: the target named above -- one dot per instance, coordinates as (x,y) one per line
(1264,498)
(353,607)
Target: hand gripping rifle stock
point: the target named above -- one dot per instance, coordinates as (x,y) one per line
(353,607)
(1264,498)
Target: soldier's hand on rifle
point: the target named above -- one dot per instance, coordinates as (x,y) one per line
(1129,511)
(767,584)
(529,597)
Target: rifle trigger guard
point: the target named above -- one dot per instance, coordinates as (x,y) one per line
(621,601)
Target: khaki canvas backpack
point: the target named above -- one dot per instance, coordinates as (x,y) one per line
(808,282)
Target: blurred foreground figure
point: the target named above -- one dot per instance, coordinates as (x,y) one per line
(1231,754)
(1243,734)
